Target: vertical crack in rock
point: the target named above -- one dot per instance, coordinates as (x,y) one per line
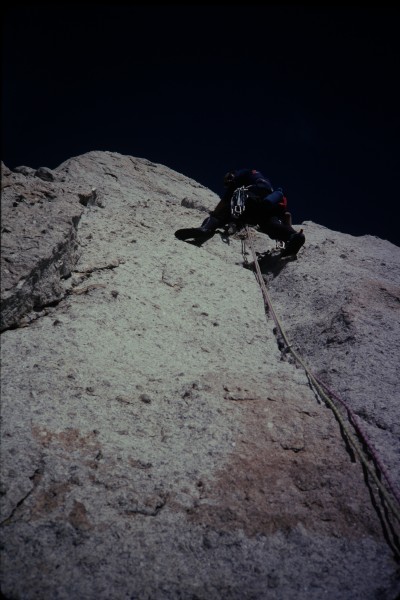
(36,477)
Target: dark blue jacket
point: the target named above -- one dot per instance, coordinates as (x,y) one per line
(261,185)
(248,177)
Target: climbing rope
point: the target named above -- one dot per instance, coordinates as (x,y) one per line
(328,396)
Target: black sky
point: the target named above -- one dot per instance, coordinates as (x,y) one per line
(309,95)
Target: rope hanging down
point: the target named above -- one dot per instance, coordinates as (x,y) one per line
(328,396)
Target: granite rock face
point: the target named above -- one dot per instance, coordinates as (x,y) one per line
(159,440)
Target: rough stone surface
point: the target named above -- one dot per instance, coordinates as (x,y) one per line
(157,439)
(41,211)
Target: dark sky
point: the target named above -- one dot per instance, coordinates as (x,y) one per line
(308,95)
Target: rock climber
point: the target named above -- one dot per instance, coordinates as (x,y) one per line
(262,206)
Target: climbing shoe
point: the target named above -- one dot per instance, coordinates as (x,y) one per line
(185,234)
(194,235)
(294,244)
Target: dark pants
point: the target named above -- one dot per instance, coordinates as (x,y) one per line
(277,229)
(270,219)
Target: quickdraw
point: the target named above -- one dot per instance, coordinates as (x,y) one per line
(238,202)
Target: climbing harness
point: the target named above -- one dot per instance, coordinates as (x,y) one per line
(330,397)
